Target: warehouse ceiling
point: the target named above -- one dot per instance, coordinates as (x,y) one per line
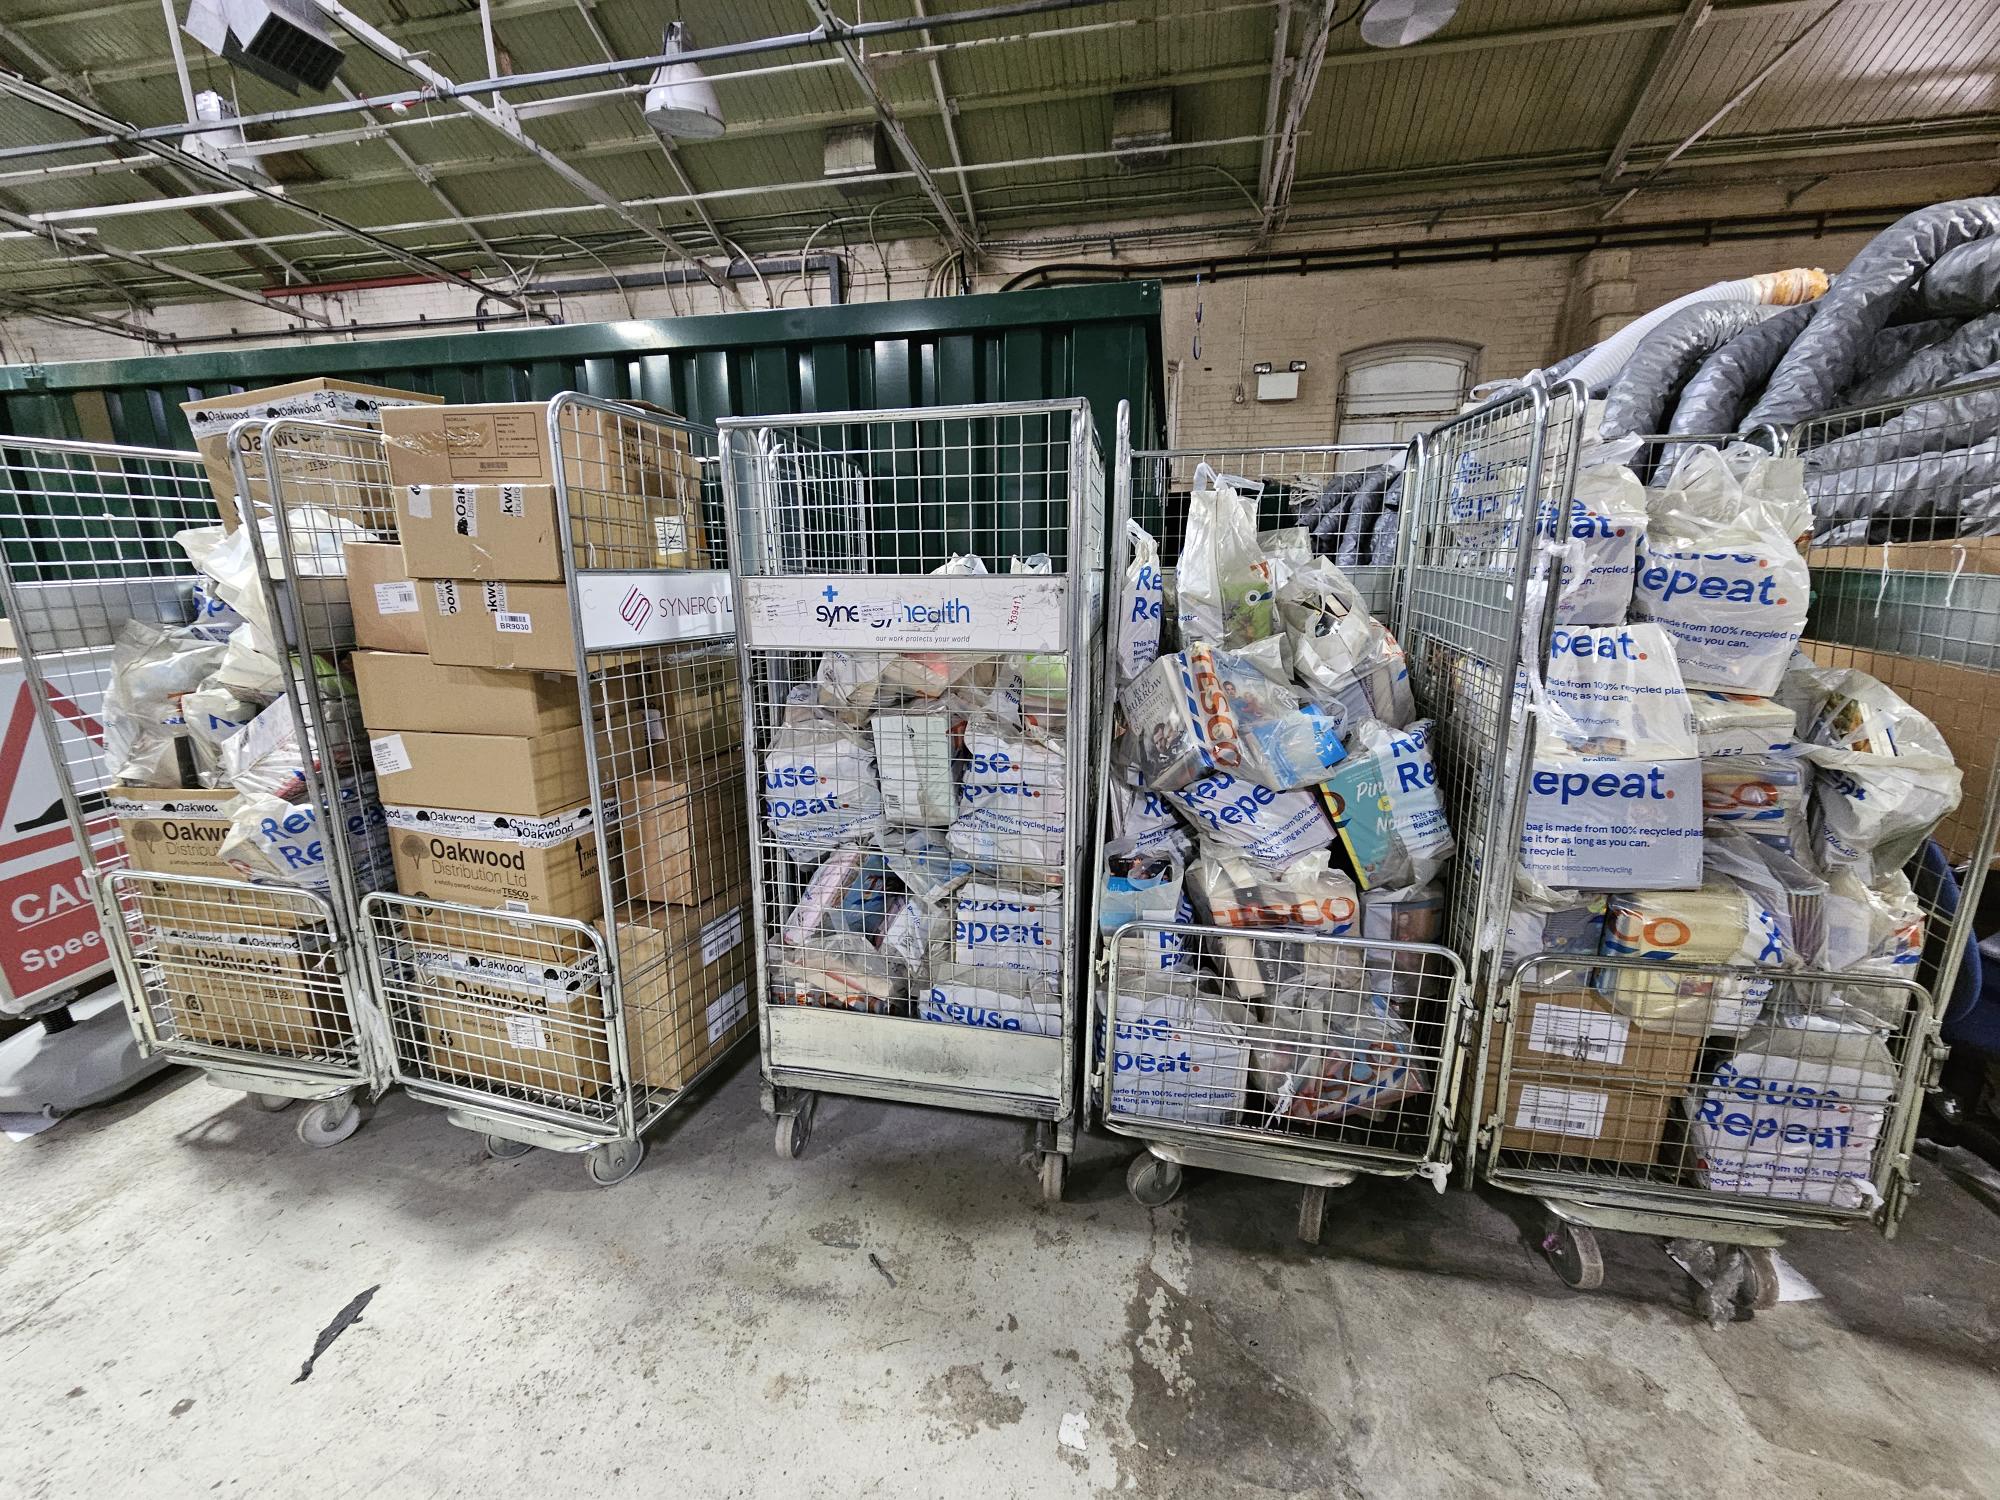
(1008,131)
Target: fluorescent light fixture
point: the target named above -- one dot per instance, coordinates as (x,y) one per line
(29,234)
(1397,23)
(681,103)
(148,206)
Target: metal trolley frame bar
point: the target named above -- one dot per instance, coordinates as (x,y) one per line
(979,478)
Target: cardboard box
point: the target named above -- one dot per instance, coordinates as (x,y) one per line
(174,830)
(519,775)
(685,977)
(382,598)
(544,866)
(514,1023)
(508,443)
(514,626)
(685,836)
(644,740)
(415,692)
(685,984)
(1586,1082)
(511,531)
(342,401)
(261,991)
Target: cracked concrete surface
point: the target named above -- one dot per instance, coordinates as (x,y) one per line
(719,1326)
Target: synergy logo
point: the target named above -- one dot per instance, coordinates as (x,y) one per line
(635,609)
(879,616)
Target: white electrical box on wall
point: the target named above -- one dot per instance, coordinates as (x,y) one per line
(1278,385)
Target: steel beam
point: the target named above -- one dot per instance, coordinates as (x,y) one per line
(1666,57)
(1274,91)
(839,33)
(1277,193)
(948,117)
(502,122)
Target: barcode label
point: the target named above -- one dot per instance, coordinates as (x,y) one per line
(420,502)
(515,903)
(447,596)
(525,1031)
(513,500)
(395,598)
(719,936)
(390,755)
(1581,1035)
(514,624)
(1562,1111)
(727,1012)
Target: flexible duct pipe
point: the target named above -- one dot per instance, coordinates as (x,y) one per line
(1773,288)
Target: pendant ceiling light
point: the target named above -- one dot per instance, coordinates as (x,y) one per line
(681,104)
(1397,23)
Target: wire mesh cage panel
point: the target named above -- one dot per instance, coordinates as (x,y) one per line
(1730,1101)
(127,647)
(1488,482)
(921,597)
(561,978)
(1356,1041)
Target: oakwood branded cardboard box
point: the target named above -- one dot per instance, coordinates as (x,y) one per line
(416,692)
(382,598)
(685,836)
(513,626)
(262,991)
(1585,1082)
(522,775)
(341,401)
(684,985)
(538,866)
(174,830)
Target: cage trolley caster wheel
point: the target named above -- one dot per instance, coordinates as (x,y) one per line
(330,1121)
(610,1164)
(795,1128)
(1054,1172)
(1152,1181)
(501,1148)
(1572,1250)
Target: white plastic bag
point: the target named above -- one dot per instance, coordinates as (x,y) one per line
(1386,809)
(152,672)
(1224,582)
(819,788)
(1307,896)
(991,999)
(1008,927)
(1141,605)
(1871,931)
(838,973)
(1203,710)
(1720,566)
(1012,803)
(1178,1054)
(1719,924)
(1885,774)
(1617,691)
(1145,889)
(1795,1114)
(1600,539)
(1272,828)
(1352,1059)
(270,839)
(1329,626)
(1143,823)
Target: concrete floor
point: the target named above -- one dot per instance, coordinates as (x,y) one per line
(720,1326)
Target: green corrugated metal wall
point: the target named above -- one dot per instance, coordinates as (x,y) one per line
(1102,343)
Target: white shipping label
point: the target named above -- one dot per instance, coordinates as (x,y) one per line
(390,755)
(526,1031)
(1580,1035)
(513,903)
(719,936)
(653,608)
(447,596)
(670,534)
(727,1012)
(1562,1111)
(396,598)
(513,624)
(465,509)
(420,502)
(513,500)
(932,612)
